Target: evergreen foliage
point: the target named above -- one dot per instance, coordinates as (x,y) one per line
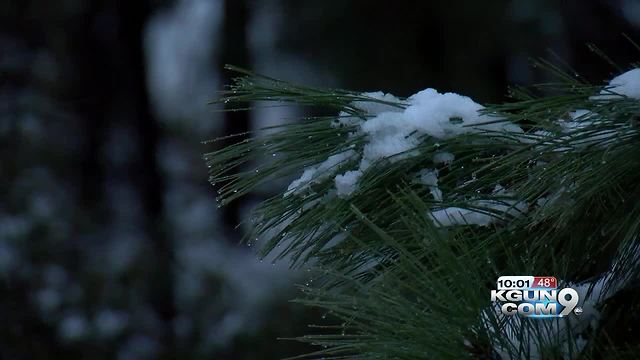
(402,284)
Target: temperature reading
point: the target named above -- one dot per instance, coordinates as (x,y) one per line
(548,282)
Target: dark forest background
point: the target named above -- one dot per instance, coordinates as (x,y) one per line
(111,243)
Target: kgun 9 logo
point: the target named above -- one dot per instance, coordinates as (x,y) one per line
(530,301)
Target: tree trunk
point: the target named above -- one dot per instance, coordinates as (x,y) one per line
(234,51)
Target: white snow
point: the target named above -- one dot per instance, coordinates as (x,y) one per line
(486,213)
(429,113)
(346,183)
(393,131)
(581,124)
(373,108)
(580,114)
(318,173)
(441,116)
(345,119)
(581,119)
(626,84)
(459,216)
(429,177)
(443,157)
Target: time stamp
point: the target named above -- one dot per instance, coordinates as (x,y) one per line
(527,282)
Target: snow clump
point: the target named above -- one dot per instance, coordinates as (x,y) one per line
(393,133)
(626,84)
(318,173)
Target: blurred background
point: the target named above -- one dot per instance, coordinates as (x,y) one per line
(111,243)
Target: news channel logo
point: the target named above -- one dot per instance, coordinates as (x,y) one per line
(534,297)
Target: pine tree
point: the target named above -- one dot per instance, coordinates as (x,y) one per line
(407,210)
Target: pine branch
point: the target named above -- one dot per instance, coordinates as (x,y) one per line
(418,232)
